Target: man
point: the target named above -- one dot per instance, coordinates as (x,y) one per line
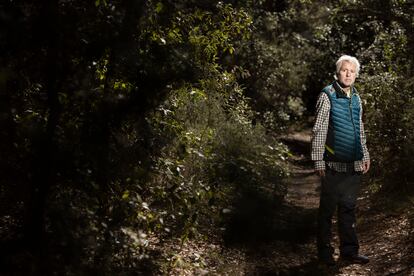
(341,157)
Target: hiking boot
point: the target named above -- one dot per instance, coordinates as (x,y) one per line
(356,259)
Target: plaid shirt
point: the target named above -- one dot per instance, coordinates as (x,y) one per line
(319,133)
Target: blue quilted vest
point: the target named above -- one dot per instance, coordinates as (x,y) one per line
(343,142)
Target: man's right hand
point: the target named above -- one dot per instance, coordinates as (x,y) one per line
(321,173)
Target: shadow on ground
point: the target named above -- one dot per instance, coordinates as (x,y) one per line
(260,218)
(310,268)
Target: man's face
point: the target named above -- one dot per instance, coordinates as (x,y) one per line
(347,74)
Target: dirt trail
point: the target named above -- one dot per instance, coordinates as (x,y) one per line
(287,247)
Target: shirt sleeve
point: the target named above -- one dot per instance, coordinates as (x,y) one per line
(363,138)
(320,130)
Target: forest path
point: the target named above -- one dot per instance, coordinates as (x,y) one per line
(284,243)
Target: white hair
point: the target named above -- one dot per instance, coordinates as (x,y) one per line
(347,58)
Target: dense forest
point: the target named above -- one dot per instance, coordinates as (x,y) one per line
(132,130)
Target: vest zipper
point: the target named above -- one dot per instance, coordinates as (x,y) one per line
(353,124)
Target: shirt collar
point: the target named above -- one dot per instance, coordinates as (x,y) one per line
(340,92)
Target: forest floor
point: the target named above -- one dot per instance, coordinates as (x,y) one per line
(281,241)
(266,236)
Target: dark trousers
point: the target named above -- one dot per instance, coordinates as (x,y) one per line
(338,191)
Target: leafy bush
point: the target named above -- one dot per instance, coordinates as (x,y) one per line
(214,148)
(145,177)
(278,62)
(389,111)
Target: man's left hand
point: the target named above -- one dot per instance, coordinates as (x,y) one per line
(366,165)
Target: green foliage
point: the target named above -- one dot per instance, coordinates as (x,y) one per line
(389,107)
(133,123)
(279,61)
(206,34)
(212,148)
(153,129)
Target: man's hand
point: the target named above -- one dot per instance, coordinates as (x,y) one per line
(366,165)
(321,173)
